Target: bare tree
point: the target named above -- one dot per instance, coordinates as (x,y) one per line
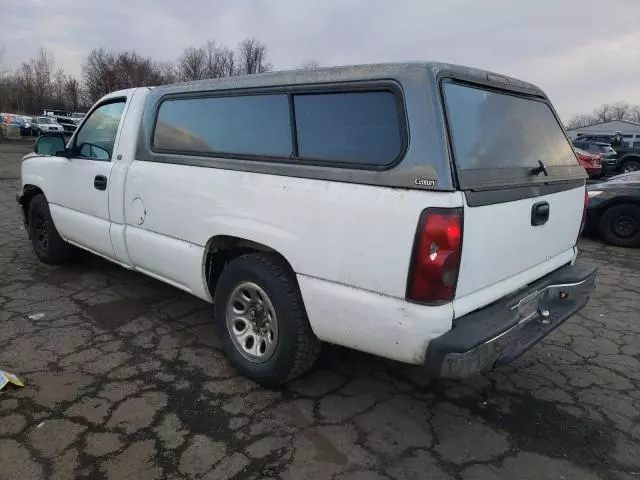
(105,71)
(581,120)
(211,63)
(134,70)
(193,64)
(167,72)
(98,73)
(215,61)
(72,94)
(604,113)
(226,61)
(221,61)
(253,55)
(634,115)
(309,65)
(621,110)
(59,80)
(35,82)
(39,83)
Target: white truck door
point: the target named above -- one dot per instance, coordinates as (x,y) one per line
(79,200)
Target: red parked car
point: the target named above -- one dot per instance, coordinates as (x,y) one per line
(591,162)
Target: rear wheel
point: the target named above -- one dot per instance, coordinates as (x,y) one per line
(47,243)
(261,320)
(620,226)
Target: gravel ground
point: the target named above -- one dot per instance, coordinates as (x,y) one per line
(10,155)
(125,379)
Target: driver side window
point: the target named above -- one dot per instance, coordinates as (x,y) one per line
(96,137)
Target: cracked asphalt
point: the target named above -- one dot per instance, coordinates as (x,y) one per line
(125,380)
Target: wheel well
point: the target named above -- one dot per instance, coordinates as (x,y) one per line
(623,201)
(627,158)
(29,191)
(221,249)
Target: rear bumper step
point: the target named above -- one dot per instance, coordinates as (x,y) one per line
(500,333)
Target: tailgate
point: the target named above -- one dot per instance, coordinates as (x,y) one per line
(500,240)
(524,190)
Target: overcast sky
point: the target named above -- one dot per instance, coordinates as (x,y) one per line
(581,52)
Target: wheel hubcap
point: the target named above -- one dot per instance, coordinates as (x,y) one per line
(630,168)
(252,322)
(41,232)
(625,226)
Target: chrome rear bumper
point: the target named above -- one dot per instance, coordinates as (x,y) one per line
(503,331)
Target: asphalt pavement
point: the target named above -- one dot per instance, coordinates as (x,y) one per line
(125,379)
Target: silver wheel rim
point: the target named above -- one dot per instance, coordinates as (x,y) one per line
(630,168)
(252,322)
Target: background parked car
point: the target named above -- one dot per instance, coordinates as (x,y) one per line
(28,121)
(42,125)
(628,159)
(614,210)
(17,121)
(608,155)
(9,128)
(591,162)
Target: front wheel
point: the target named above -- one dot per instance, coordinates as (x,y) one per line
(620,226)
(261,320)
(47,243)
(630,166)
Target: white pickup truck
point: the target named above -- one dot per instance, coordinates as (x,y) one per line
(422,212)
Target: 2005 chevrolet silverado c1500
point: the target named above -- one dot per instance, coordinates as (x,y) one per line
(422,212)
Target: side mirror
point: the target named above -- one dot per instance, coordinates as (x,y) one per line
(50,144)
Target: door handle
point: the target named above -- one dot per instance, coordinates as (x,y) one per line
(539,213)
(100,182)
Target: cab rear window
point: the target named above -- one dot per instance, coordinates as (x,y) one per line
(361,129)
(494,131)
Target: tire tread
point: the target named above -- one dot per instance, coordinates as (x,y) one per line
(307,344)
(59,251)
(605,227)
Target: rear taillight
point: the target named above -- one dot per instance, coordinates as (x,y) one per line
(435,261)
(583,160)
(584,211)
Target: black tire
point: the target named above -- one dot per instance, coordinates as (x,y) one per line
(297,348)
(620,226)
(49,247)
(630,166)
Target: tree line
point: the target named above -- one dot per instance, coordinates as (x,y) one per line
(40,83)
(606,113)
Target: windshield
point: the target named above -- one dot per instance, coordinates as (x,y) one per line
(45,120)
(492,130)
(603,148)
